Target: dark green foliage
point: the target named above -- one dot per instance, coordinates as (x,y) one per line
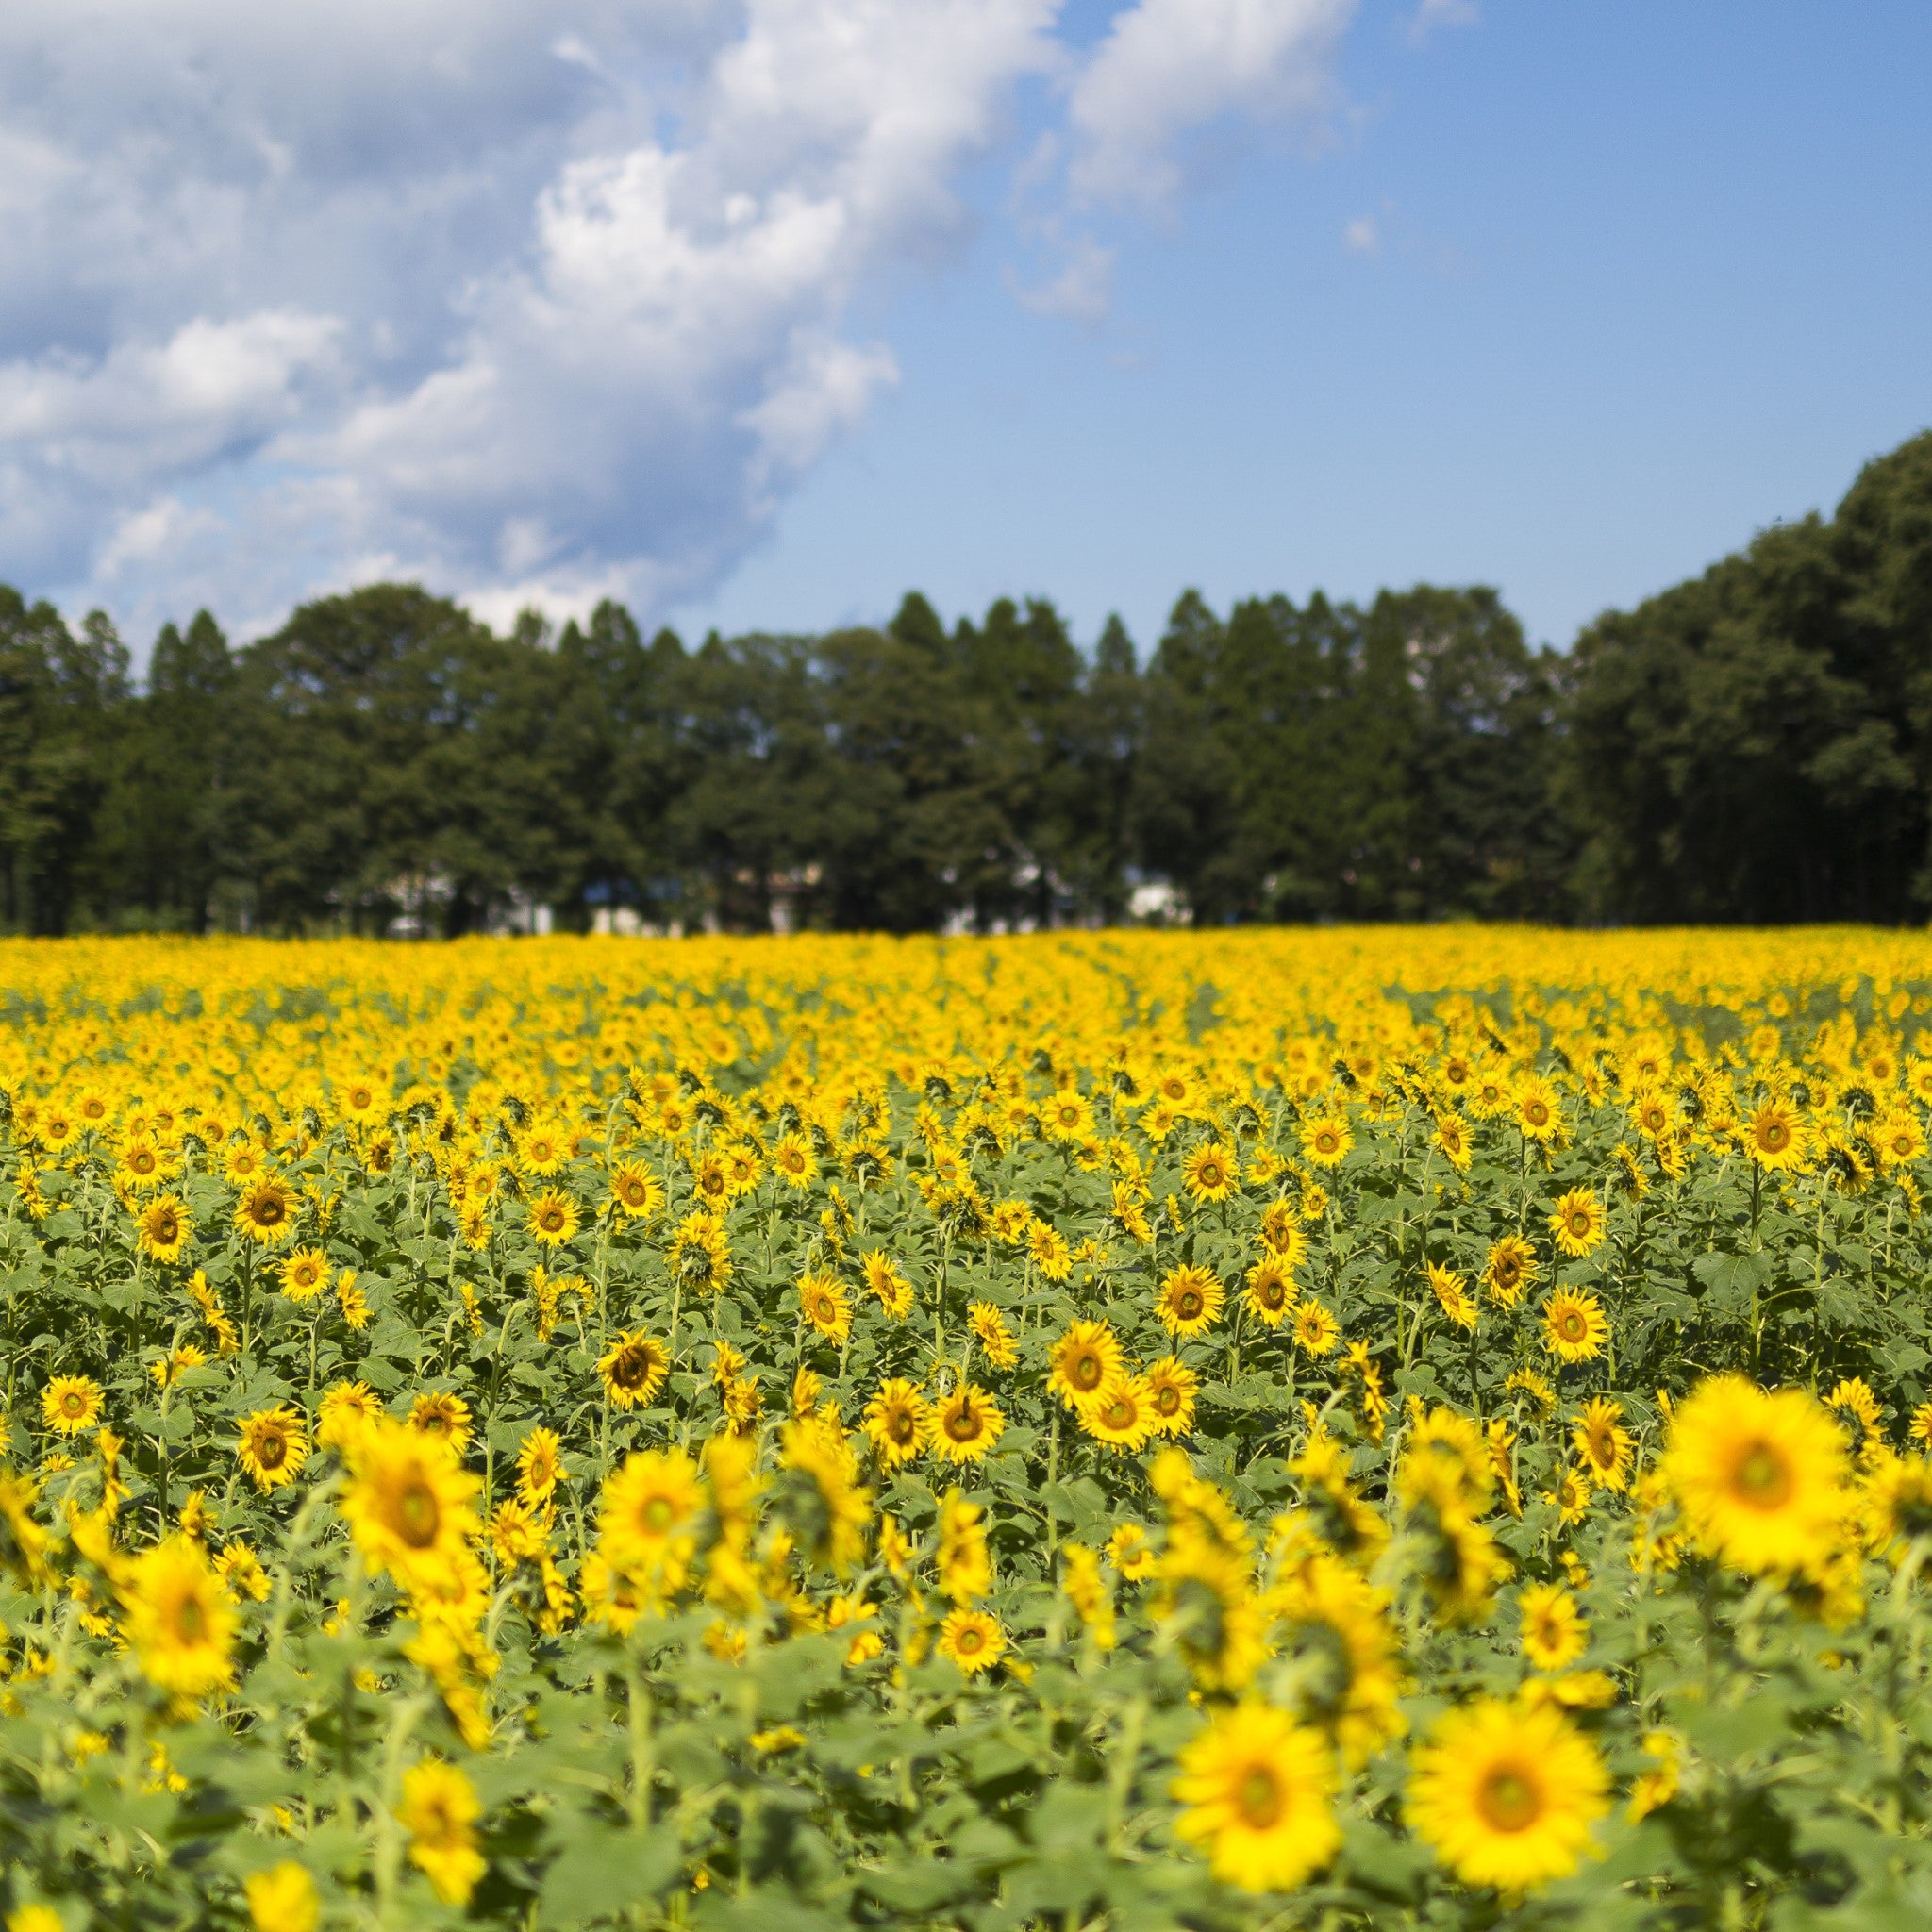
(1752,746)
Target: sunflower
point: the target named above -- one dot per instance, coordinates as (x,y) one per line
(1327,1140)
(1452,1295)
(633,1369)
(1209,1173)
(346,1410)
(1190,1300)
(1316,1331)
(829,1510)
(140,1165)
(1081,1360)
(305,1274)
(971,1640)
(70,1403)
(1509,1268)
(647,1518)
(271,1446)
(989,1330)
(1570,1498)
(1573,1325)
(1576,1225)
(1775,1138)
(821,1302)
(266,1211)
(553,1218)
(1605,1446)
(442,1417)
(438,1810)
(281,1898)
(1271,1289)
(1170,1390)
(1537,1112)
(966,1424)
(793,1161)
(634,1189)
(1050,1252)
(1507,1794)
(179,1619)
(1257,1790)
(407,1503)
(1350,1679)
(1120,1412)
(896,1421)
(544,1147)
(163,1228)
(1758,1475)
(884,1280)
(1554,1633)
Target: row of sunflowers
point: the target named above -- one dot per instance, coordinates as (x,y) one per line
(1338,1428)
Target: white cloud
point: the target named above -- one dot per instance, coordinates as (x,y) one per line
(1434,13)
(1168,67)
(1362,236)
(1083,289)
(524,296)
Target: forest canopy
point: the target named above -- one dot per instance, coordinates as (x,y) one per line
(1752,745)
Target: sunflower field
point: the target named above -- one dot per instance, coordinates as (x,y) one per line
(1309,1429)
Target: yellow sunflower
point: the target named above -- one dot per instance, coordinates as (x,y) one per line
(553,1218)
(163,1228)
(821,1302)
(1316,1331)
(443,1417)
(1170,1390)
(1576,1222)
(1510,1268)
(647,1518)
(636,1190)
(540,1465)
(1257,1790)
(1326,1141)
(1573,1325)
(888,1283)
(1554,1633)
(271,1446)
(407,1503)
(633,1369)
(896,1422)
(973,1639)
(1507,1794)
(1271,1289)
(1209,1173)
(438,1810)
(1759,1476)
(1118,1413)
(1081,1360)
(1605,1445)
(966,1424)
(305,1274)
(1190,1300)
(1775,1138)
(70,1403)
(179,1619)
(266,1211)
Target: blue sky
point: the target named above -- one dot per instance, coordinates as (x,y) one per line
(1645,278)
(756,312)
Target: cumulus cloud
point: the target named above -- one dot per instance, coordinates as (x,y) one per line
(1168,67)
(546,298)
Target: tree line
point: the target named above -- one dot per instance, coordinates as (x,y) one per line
(1755,744)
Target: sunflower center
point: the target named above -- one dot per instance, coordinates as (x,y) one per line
(1167,1400)
(418,1516)
(1508,1799)
(1257,1798)
(962,1425)
(1188,1304)
(1773,1137)
(658,1515)
(1085,1372)
(899,1425)
(1118,1413)
(969,1642)
(191,1619)
(1580,1221)
(1570,1325)
(272,1452)
(1764,1477)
